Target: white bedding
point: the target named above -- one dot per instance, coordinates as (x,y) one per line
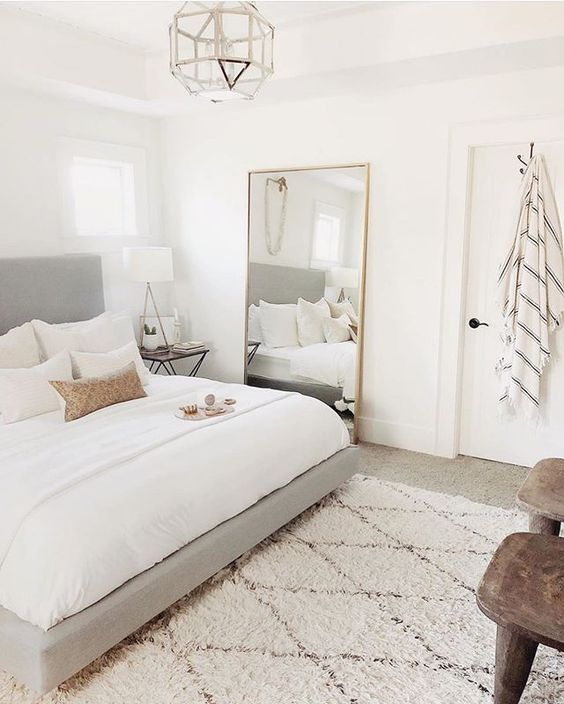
(333,364)
(87,505)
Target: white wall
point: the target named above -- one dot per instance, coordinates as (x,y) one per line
(30,196)
(405,136)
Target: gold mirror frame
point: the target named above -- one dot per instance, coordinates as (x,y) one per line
(362,287)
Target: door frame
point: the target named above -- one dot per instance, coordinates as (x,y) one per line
(463,140)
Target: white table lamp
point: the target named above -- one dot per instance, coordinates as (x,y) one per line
(342,277)
(149,265)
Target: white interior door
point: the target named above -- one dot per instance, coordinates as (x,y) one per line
(493,212)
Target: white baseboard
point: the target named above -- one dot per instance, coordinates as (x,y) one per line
(404,436)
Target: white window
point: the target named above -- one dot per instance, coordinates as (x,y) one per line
(328,225)
(104,194)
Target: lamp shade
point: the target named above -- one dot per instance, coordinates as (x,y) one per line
(148,264)
(342,277)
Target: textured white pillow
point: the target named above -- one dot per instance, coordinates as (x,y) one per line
(344,308)
(278,324)
(88,364)
(18,348)
(310,321)
(254,333)
(337,329)
(25,393)
(96,335)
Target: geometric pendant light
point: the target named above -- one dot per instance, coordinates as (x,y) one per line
(221,50)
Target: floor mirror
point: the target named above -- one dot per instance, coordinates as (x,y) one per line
(307,232)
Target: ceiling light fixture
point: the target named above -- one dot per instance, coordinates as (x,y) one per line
(221,50)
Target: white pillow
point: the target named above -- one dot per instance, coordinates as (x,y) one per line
(96,335)
(18,348)
(87,364)
(254,332)
(26,392)
(310,321)
(278,324)
(123,329)
(343,308)
(337,329)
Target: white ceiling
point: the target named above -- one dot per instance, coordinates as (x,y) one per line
(144,25)
(347,179)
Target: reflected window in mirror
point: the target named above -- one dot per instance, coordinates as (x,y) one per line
(327,230)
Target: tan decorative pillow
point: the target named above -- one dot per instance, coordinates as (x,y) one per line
(85,396)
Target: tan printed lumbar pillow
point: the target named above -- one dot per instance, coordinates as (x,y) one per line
(84,396)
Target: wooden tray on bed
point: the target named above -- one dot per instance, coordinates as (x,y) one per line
(203,415)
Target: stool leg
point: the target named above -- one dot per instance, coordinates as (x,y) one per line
(541,524)
(514,657)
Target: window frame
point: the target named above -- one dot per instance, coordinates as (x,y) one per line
(328,210)
(119,154)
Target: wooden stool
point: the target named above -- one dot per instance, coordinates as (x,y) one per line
(542,496)
(523,592)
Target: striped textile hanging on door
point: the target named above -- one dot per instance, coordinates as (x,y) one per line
(531,287)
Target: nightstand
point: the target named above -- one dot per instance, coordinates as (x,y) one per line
(160,359)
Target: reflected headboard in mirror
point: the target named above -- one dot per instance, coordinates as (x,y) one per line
(55,289)
(284,284)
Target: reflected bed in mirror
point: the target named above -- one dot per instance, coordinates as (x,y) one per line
(307,242)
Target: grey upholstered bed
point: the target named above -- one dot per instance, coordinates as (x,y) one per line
(62,289)
(285,284)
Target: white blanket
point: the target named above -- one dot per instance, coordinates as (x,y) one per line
(328,363)
(531,282)
(87,505)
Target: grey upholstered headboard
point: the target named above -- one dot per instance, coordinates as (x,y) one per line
(55,289)
(284,284)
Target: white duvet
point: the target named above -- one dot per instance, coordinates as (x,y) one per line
(331,363)
(328,363)
(87,505)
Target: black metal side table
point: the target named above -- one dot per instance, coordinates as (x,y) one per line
(160,359)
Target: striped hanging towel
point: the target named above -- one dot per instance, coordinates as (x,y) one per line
(531,288)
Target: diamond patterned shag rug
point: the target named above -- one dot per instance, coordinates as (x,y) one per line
(368,597)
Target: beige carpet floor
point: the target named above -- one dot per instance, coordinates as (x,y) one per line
(487,482)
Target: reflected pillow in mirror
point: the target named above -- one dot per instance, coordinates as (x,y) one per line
(344,308)
(310,318)
(278,324)
(254,332)
(337,329)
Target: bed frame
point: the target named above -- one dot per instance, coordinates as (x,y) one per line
(44,659)
(285,284)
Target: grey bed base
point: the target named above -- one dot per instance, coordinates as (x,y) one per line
(44,659)
(323,392)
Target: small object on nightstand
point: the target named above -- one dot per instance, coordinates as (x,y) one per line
(188,346)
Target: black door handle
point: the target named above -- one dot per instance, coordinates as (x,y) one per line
(475,323)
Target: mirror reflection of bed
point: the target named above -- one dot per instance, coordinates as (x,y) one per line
(306,251)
